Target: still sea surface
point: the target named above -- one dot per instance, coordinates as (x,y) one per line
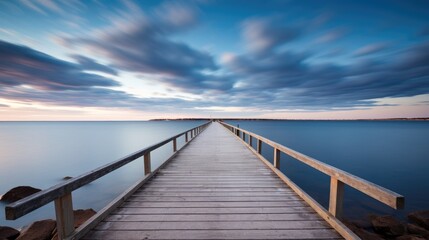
(393,154)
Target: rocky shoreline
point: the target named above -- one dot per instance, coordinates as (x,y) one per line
(43,229)
(388,227)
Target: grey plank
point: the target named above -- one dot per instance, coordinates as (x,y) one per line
(182,204)
(214,217)
(213,194)
(202,225)
(216,234)
(224,210)
(214,198)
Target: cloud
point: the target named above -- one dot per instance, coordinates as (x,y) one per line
(3,105)
(143,45)
(90,64)
(332,35)
(371,49)
(21,65)
(286,79)
(262,35)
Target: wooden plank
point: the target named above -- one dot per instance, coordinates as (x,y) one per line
(135,204)
(202,225)
(224,210)
(217,194)
(225,198)
(213,217)
(216,234)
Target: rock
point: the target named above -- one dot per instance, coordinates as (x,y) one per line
(67,178)
(363,234)
(18,193)
(81,215)
(418,230)
(410,237)
(40,230)
(8,233)
(420,218)
(387,225)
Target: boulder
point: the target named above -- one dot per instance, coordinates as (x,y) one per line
(40,230)
(8,233)
(362,233)
(410,237)
(81,215)
(67,178)
(418,230)
(18,193)
(387,226)
(420,218)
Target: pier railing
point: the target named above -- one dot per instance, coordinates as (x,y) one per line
(61,193)
(339,178)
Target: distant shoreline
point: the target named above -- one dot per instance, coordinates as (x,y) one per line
(276,119)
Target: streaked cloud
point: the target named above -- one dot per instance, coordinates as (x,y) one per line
(21,65)
(263,35)
(332,35)
(371,49)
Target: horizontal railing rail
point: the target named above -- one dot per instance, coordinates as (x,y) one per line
(61,193)
(338,176)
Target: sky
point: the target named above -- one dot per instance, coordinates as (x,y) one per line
(139,60)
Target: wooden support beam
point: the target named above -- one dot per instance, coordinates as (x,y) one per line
(336,197)
(276,158)
(244,137)
(259,146)
(186,137)
(174,145)
(250,140)
(64,215)
(147,165)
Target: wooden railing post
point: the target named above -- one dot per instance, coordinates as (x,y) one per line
(250,140)
(259,146)
(186,137)
(147,167)
(64,215)
(276,158)
(174,145)
(244,137)
(336,197)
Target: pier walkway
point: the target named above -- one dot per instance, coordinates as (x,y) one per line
(214,188)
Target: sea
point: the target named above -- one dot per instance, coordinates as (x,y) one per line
(392,154)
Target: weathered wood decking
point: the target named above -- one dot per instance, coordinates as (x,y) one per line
(214,188)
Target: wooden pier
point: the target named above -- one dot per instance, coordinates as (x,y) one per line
(215,187)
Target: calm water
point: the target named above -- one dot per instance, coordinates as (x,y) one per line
(393,154)
(41,154)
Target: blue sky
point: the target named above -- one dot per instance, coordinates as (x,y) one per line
(126,60)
